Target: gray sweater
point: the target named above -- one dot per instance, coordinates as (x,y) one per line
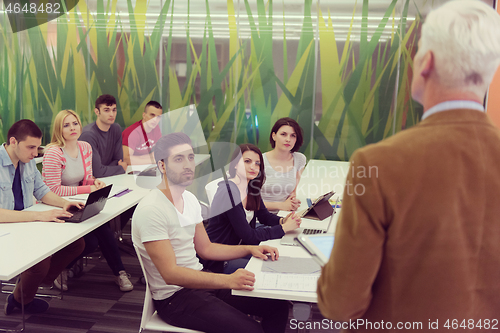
(106,149)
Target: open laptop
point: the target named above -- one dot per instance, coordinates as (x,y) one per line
(95,203)
(289,238)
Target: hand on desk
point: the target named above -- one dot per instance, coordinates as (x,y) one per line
(241,280)
(52,215)
(291,204)
(123,164)
(264,251)
(98,184)
(69,204)
(291,222)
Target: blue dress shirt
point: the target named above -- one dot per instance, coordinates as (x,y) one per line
(31,181)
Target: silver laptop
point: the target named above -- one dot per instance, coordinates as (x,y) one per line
(289,238)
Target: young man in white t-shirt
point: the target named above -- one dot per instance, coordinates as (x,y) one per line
(167,228)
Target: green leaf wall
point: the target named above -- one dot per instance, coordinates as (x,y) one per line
(243,70)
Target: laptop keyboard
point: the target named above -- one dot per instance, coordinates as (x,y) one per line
(77,215)
(313,231)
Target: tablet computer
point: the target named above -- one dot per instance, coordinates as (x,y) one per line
(320,208)
(318,246)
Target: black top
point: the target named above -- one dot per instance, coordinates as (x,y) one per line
(228,222)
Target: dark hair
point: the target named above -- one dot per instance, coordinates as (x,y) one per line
(23,128)
(296,127)
(106,99)
(161,149)
(254,186)
(153,104)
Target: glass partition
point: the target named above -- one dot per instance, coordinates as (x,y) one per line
(342,68)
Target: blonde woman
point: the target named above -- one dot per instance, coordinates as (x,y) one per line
(67,170)
(67,162)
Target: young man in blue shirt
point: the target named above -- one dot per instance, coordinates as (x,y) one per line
(20,180)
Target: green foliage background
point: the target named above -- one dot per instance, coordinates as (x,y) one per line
(365,88)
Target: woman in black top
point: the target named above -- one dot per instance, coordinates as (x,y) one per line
(237,205)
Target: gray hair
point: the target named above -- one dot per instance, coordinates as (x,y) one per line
(464,36)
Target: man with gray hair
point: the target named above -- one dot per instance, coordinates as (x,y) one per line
(420,249)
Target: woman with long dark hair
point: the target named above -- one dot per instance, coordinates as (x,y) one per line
(237,205)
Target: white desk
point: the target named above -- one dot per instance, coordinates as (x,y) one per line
(319,177)
(255,266)
(27,243)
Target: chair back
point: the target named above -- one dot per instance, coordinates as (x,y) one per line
(211,189)
(148,309)
(150,320)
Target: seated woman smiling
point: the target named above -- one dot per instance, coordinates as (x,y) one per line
(237,205)
(67,170)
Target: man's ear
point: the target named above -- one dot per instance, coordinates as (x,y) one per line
(12,140)
(97,112)
(161,166)
(428,64)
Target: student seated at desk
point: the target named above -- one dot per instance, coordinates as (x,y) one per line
(139,138)
(21,181)
(284,165)
(168,232)
(237,205)
(105,138)
(67,170)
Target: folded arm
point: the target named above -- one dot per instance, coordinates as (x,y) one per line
(133,159)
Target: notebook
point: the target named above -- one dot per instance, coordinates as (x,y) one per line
(95,203)
(290,237)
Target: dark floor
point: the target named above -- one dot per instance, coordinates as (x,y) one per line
(94,304)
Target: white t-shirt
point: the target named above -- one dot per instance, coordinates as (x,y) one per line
(156,218)
(249,214)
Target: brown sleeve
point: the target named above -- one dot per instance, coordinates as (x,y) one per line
(345,286)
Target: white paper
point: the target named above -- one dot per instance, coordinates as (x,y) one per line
(288,282)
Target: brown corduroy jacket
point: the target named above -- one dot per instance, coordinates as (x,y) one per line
(418,237)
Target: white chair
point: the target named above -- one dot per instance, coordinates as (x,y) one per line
(150,319)
(211,189)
